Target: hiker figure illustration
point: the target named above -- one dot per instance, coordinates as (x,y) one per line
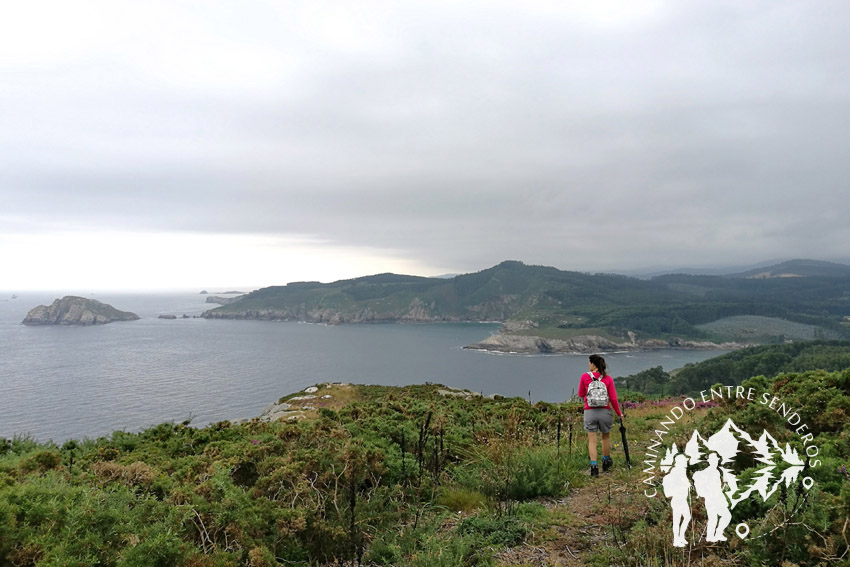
(708,484)
(677,485)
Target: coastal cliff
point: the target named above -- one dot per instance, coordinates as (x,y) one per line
(71,310)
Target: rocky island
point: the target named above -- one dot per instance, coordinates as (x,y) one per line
(72,310)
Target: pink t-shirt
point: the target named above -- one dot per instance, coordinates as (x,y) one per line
(584,382)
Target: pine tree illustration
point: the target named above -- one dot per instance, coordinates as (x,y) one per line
(692,448)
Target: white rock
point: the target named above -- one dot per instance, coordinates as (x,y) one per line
(311,389)
(326,396)
(464,393)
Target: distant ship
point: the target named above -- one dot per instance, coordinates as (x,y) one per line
(14,296)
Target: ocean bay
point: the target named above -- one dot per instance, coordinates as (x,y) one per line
(74,382)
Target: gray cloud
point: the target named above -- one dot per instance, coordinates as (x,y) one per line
(704,132)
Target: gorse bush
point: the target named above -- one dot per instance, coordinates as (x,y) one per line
(328,489)
(56,523)
(495,530)
(536,473)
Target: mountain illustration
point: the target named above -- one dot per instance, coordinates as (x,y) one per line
(730,441)
(727,442)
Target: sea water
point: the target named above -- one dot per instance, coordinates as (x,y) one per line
(61,382)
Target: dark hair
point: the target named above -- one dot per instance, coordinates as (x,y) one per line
(599,363)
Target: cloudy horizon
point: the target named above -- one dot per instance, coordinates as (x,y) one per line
(197,145)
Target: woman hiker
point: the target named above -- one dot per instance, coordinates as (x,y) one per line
(599,393)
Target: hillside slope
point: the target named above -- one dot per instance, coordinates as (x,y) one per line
(554,304)
(421,476)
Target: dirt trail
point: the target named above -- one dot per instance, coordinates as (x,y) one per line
(584,522)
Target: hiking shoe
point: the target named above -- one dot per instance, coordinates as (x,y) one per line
(594,470)
(606,464)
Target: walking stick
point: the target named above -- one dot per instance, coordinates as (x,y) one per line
(625,444)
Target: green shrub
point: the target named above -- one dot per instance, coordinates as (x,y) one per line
(535,473)
(501,531)
(433,545)
(157,547)
(384,552)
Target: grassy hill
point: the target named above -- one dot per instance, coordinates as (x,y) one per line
(557,304)
(411,476)
(797,269)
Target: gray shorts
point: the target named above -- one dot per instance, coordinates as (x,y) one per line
(598,419)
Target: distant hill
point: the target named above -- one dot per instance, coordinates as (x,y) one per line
(777,266)
(495,294)
(798,269)
(555,304)
(715,270)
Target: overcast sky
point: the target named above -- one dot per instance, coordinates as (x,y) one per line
(202,144)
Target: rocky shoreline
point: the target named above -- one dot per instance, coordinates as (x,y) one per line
(333,316)
(587,344)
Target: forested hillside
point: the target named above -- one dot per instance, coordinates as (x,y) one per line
(553,303)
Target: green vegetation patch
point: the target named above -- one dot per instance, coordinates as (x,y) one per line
(406,476)
(571,333)
(739,365)
(378,477)
(755,328)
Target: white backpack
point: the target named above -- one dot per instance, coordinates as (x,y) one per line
(597,393)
